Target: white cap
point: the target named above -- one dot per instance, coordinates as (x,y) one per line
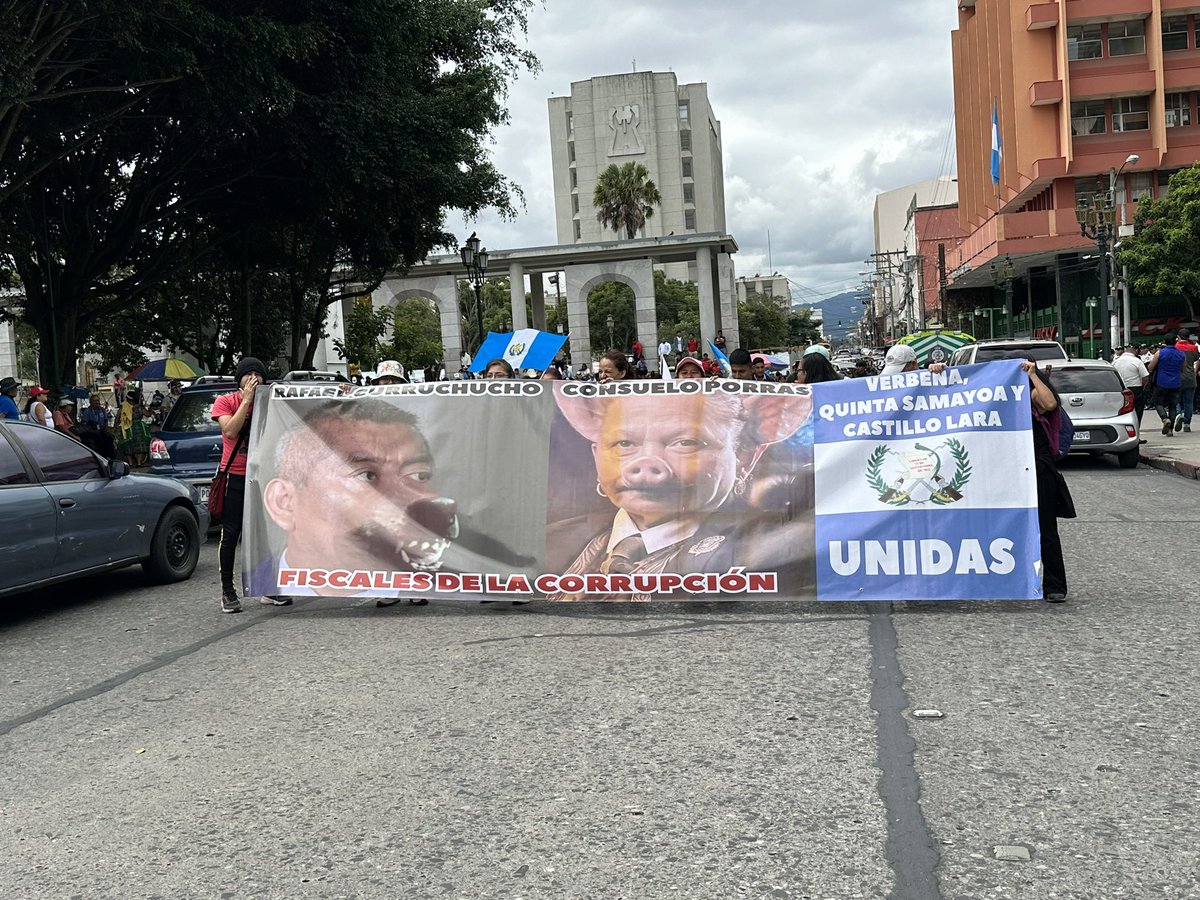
(389,367)
(897,358)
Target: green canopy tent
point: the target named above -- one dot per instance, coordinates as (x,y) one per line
(937,345)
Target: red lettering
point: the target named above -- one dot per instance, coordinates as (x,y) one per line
(620,584)
(448,583)
(337,578)
(472,583)
(595,584)
(546,584)
(317,578)
(286,577)
(761,582)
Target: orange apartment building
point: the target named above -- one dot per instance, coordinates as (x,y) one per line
(1079,86)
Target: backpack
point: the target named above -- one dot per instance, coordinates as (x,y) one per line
(1066,434)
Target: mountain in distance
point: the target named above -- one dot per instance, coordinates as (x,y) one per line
(842,313)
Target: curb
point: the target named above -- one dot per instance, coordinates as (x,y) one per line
(1172,465)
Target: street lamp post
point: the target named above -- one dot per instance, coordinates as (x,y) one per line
(557,300)
(475,259)
(1004,276)
(1090,303)
(609,323)
(1096,219)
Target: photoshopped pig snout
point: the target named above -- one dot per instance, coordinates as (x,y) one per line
(647,470)
(437,515)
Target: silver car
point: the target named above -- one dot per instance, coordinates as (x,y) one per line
(69,512)
(1100,407)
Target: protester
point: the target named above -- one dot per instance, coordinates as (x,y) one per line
(900,358)
(233,412)
(693,345)
(93,429)
(664,351)
(719,340)
(8,404)
(389,371)
(1167,368)
(63,420)
(36,411)
(1135,376)
(815,367)
(614,366)
(1187,378)
(740,365)
(689,367)
(1054,498)
(552,373)
(499,368)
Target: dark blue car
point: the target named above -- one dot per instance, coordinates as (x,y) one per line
(188,446)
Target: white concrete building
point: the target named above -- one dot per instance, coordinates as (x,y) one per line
(645,117)
(765,285)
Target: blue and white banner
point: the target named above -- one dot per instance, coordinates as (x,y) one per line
(997,150)
(524,349)
(904,487)
(925,486)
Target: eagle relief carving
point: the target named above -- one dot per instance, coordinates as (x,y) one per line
(624,122)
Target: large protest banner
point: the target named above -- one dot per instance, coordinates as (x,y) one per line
(916,486)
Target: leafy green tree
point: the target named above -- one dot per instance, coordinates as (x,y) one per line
(802,330)
(416,333)
(364,325)
(625,198)
(617,300)
(1163,254)
(497,310)
(763,322)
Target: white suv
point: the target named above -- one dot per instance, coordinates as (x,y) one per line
(1044,353)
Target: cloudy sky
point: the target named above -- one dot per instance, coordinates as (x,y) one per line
(822,106)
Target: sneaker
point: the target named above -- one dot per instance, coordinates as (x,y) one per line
(230,602)
(1187,428)
(1166,426)
(275,601)
(1179,422)
(1056,596)
(380,604)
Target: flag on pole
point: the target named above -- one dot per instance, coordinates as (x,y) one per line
(524,349)
(722,361)
(996,148)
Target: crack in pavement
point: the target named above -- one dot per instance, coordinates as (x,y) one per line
(911,851)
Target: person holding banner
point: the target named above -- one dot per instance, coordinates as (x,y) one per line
(613,366)
(499,368)
(679,472)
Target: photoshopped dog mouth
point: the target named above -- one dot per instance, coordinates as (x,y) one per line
(435,520)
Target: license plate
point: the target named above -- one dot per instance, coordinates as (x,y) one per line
(1081,436)
(203,489)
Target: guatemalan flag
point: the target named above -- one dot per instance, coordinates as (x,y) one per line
(995,144)
(524,349)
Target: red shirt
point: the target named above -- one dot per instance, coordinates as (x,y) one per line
(693,345)
(227,405)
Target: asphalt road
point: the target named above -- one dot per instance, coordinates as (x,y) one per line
(153,747)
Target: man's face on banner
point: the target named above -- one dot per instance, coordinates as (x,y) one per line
(368,501)
(658,459)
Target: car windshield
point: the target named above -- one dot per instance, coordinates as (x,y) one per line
(192,413)
(988,354)
(1087,381)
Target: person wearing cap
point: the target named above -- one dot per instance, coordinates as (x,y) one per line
(36,411)
(1186,345)
(174,389)
(390,372)
(816,366)
(233,412)
(63,420)
(900,358)
(8,404)
(689,367)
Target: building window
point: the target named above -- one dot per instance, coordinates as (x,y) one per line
(1131,114)
(570,127)
(687,168)
(689,219)
(1174,33)
(1087,117)
(685,141)
(1179,110)
(1141,184)
(1126,38)
(575,204)
(578,230)
(1163,178)
(689,194)
(1086,190)
(574,180)
(1083,42)
(684,112)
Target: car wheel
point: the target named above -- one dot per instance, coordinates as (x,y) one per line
(175,547)
(1129,458)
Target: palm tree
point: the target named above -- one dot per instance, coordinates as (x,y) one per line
(625,198)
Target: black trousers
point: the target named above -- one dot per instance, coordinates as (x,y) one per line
(231,528)
(1054,569)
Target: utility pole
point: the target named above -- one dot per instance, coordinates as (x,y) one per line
(941,263)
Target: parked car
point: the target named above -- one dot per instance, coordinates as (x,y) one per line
(188,445)
(69,512)
(1043,352)
(1100,407)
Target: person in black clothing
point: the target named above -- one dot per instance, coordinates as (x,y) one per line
(1054,499)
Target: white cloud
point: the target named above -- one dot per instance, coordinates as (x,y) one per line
(822,106)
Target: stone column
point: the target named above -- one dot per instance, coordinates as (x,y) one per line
(516,287)
(8,350)
(705,281)
(538,297)
(577,318)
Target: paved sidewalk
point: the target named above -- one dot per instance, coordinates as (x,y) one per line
(1176,452)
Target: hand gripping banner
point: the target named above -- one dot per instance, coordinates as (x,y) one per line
(912,486)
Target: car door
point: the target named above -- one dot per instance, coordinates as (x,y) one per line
(100,519)
(30,520)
